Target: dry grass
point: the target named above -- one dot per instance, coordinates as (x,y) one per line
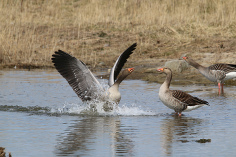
(97,30)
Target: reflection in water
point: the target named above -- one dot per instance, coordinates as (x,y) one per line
(178,129)
(77,138)
(212,92)
(42,113)
(91,133)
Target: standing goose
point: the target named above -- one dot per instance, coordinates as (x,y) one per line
(216,73)
(175,99)
(84,83)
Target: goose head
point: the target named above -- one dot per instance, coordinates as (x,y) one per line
(164,70)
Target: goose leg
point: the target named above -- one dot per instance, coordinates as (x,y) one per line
(219,85)
(178,113)
(222,89)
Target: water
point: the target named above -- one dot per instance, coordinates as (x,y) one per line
(40,115)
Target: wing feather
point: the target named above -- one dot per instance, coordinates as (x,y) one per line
(79,77)
(120,63)
(187,98)
(227,68)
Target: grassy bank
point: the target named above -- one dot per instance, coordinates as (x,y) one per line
(96,31)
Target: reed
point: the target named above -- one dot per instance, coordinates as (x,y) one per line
(30,31)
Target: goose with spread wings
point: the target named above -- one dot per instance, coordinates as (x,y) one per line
(84,83)
(177,100)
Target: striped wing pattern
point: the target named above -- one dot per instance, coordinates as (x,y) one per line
(187,98)
(223,67)
(122,59)
(77,75)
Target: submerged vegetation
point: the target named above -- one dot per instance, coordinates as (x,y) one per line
(97,31)
(3,153)
(203,140)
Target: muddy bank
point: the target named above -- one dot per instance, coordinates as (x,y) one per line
(145,70)
(148,72)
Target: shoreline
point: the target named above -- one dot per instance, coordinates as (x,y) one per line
(145,72)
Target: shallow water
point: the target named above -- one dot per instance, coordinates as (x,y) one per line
(42,116)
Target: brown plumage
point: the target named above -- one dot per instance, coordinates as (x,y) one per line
(187,98)
(177,100)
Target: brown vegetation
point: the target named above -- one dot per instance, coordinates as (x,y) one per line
(97,31)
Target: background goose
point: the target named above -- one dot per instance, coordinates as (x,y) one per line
(175,99)
(83,82)
(216,73)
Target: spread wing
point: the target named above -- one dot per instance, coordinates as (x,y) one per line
(79,77)
(120,63)
(187,98)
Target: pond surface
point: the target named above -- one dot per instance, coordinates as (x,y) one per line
(40,115)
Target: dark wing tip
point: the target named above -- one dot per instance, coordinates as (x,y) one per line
(132,47)
(201,101)
(130,50)
(60,53)
(207,103)
(122,59)
(59,56)
(56,54)
(232,65)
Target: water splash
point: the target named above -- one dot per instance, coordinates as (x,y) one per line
(89,109)
(81,109)
(96,107)
(134,110)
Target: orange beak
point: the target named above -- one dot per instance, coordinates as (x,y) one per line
(184,58)
(130,69)
(160,70)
